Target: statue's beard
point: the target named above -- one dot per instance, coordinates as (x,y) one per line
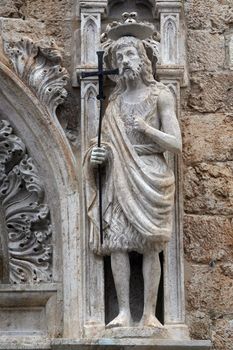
(132,72)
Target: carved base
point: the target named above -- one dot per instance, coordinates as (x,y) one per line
(136,332)
(28,312)
(127,344)
(38,343)
(94,330)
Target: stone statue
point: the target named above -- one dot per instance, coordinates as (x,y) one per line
(139,125)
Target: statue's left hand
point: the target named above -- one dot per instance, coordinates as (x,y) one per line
(139,124)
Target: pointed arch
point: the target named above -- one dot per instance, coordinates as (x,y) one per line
(90,36)
(47,145)
(170,42)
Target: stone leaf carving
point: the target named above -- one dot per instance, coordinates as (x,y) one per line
(38,64)
(26,215)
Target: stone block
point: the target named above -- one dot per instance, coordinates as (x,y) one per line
(208,188)
(209,291)
(222,334)
(209,14)
(15,29)
(61,31)
(211,92)
(208,239)
(199,325)
(11,8)
(49,9)
(206,51)
(207,137)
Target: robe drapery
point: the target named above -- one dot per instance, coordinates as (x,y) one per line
(138,187)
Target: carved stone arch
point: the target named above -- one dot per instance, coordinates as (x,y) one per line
(91,106)
(170,41)
(90,35)
(47,145)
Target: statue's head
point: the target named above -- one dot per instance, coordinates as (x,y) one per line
(129,55)
(132,47)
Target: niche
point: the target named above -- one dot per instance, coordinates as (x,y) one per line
(144,8)
(136,290)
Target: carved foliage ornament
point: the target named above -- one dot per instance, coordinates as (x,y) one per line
(26,215)
(39,66)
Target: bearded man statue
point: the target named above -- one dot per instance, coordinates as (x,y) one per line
(139,125)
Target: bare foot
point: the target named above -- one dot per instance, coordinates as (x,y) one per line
(122,320)
(150,321)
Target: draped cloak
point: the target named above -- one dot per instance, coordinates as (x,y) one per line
(136,181)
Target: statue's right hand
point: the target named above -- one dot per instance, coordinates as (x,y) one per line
(98,155)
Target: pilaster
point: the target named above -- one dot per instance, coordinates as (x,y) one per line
(87,44)
(172,72)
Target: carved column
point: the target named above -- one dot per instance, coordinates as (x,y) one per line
(172,73)
(92,269)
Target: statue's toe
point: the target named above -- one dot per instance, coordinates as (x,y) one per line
(122,320)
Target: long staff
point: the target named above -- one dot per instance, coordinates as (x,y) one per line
(100,73)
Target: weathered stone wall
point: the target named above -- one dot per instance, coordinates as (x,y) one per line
(207,125)
(207,114)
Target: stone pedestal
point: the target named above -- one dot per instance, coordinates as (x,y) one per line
(127,344)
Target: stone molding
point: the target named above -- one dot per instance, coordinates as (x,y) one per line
(87,43)
(127,344)
(99,6)
(173,73)
(26,214)
(49,148)
(39,65)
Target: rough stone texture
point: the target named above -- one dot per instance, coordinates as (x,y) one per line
(205,50)
(14,29)
(212,15)
(209,291)
(208,239)
(11,8)
(211,92)
(199,325)
(49,9)
(207,125)
(204,139)
(222,334)
(209,188)
(210,305)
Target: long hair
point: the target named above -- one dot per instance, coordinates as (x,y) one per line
(146,69)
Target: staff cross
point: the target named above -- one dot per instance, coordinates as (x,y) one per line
(100,73)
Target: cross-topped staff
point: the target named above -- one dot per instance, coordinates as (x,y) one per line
(100,73)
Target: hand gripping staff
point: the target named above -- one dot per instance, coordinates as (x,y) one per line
(100,73)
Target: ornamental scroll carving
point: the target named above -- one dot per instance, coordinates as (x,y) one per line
(38,64)
(27,219)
